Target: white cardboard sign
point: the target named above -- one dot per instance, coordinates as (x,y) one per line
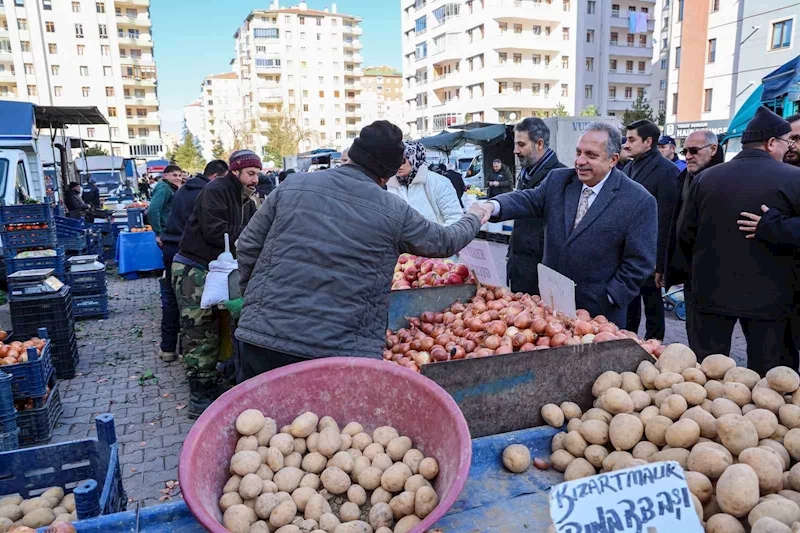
(557,290)
(478,257)
(652,498)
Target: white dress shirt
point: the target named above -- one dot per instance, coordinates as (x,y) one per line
(596,189)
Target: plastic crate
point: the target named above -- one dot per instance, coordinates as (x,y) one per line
(91,305)
(65,357)
(71,237)
(8,423)
(6,399)
(90,282)
(9,441)
(53,311)
(72,223)
(90,468)
(57,262)
(30,379)
(30,238)
(26,213)
(36,425)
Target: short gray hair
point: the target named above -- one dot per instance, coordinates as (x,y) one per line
(709,137)
(536,129)
(614,143)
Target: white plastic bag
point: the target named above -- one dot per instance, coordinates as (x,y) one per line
(215,290)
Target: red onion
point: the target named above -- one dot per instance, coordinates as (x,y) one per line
(523,321)
(527,347)
(558,340)
(539,325)
(554,327)
(492,342)
(582,328)
(428,317)
(605,337)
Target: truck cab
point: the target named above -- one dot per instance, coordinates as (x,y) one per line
(16,178)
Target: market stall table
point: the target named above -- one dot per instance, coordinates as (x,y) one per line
(138,252)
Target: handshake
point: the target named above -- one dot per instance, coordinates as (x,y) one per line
(482,210)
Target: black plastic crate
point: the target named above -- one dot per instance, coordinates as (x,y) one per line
(26,213)
(56,262)
(85,283)
(36,425)
(90,305)
(65,357)
(52,311)
(30,379)
(30,238)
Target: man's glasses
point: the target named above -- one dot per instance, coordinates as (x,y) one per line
(789,143)
(692,150)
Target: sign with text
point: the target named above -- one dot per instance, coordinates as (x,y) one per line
(652,498)
(478,257)
(557,290)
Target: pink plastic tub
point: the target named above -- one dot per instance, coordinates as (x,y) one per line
(371,392)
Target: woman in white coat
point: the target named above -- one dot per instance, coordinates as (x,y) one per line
(431,194)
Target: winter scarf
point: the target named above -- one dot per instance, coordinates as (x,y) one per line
(415,154)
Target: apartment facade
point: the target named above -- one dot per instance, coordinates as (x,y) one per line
(301,64)
(218,114)
(86,53)
(504,60)
(382,97)
(720,50)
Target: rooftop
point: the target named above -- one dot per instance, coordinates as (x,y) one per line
(382,71)
(297,11)
(225,76)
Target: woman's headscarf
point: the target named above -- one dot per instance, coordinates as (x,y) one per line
(415,154)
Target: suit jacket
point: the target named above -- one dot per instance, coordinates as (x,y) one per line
(527,239)
(732,275)
(611,252)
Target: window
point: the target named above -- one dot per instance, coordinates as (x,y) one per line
(130,132)
(589,63)
(85,92)
(565,34)
(107,71)
(628,92)
(590,7)
(81,49)
(565,62)
(50,27)
(52,48)
(502,87)
(76,7)
(680,10)
(32,90)
(47,5)
(106,50)
(322,94)
(58,90)
(143,132)
(90,132)
(677,57)
(29,68)
(712,50)
(642,67)
(79,31)
(302,21)
(588,92)
(84,71)
(782,34)
(674,103)
(564,89)
(319,36)
(101,7)
(502,57)
(113,131)
(615,10)
(708,96)
(110,92)
(421,51)
(566,5)
(22,24)
(547,31)
(663,64)
(589,36)
(287,19)
(643,41)
(614,38)
(518,28)
(537,59)
(266,33)
(629,67)
(640,92)
(420,25)
(714,6)
(612,65)
(537,30)
(25,46)
(103,30)
(517,88)
(663,85)
(547,89)
(662,105)
(319,22)
(54,70)
(612,93)
(517,59)
(142,113)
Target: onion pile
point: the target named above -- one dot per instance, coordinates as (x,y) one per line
(496,322)
(412,272)
(16,352)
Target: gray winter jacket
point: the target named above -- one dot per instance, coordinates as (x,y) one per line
(316,263)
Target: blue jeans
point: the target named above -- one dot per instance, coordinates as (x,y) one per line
(170,314)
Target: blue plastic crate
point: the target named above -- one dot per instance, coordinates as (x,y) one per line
(8,423)
(56,262)
(86,283)
(6,399)
(73,223)
(89,468)
(9,441)
(26,213)
(30,379)
(90,305)
(31,238)
(36,424)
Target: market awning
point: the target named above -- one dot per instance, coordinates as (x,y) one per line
(486,135)
(60,116)
(784,81)
(444,142)
(745,114)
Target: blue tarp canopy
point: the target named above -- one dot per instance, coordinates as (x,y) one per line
(784,81)
(745,114)
(18,121)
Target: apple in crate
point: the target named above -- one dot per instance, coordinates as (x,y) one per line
(401,285)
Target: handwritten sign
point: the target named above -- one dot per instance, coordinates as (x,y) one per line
(557,290)
(478,257)
(652,498)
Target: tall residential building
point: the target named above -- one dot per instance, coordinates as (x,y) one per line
(85,53)
(304,65)
(382,98)
(503,60)
(221,114)
(720,50)
(194,121)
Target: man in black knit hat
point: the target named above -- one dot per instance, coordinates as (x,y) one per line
(733,277)
(316,261)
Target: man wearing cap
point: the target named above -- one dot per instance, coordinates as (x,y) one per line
(224,206)
(316,261)
(666,145)
(501,180)
(733,277)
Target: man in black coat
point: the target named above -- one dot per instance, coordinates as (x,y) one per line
(76,207)
(501,180)
(660,177)
(91,194)
(735,278)
(526,249)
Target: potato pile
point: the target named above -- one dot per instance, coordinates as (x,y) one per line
(736,435)
(312,477)
(51,507)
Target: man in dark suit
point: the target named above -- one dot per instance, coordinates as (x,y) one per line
(660,177)
(526,249)
(735,278)
(600,226)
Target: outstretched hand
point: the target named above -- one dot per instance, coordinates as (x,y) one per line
(750,225)
(482,210)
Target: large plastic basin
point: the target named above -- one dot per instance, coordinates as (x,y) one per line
(371,392)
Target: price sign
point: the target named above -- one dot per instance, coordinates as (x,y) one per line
(652,498)
(478,257)
(557,290)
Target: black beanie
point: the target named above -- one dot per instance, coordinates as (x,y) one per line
(378,149)
(765,125)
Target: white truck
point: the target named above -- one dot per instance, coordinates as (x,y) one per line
(21,174)
(107,171)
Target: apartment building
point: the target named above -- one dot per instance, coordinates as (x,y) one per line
(305,65)
(382,97)
(503,60)
(720,50)
(218,114)
(86,53)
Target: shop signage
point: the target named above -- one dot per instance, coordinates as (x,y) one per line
(557,291)
(478,257)
(681,130)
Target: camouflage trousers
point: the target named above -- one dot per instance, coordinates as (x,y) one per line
(200,335)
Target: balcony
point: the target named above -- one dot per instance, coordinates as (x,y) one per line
(523,99)
(148,100)
(357,72)
(353,58)
(526,41)
(270,114)
(628,77)
(352,30)
(619,19)
(354,112)
(620,103)
(452,80)
(526,71)
(139,82)
(619,48)
(151,120)
(527,10)
(267,95)
(352,44)
(355,86)
(354,126)
(7,76)
(141,21)
(140,3)
(147,60)
(142,40)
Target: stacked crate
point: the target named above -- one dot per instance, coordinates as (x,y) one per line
(28,231)
(72,235)
(87,280)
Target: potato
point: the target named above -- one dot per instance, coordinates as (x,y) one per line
(789,415)
(574,425)
(625,431)
(779,508)
(353,429)
(767,398)
(250,422)
(676,358)
(605,381)
(553,415)
(680,455)
(284,513)
(575,443)
(699,485)
(694,375)
(665,380)
(673,407)
(596,454)
(715,366)
(738,393)
(245,462)
(312,441)
(780,433)
(616,401)
(329,442)
(267,431)
(328,522)
(54,492)
(767,466)
(265,472)
(429,468)
(309,480)
(314,462)
(16,499)
(265,504)
(373,450)
(579,468)
(347,442)
(644,450)
(12,512)
(767,524)
(737,490)
(326,422)
(764,421)
(288,479)
(402,505)
(283,442)
(349,512)
(395,477)
(656,430)
(361,441)
(370,478)
(790,495)
(316,507)
(704,419)
(724,523)
(247,443)
(713,389)
(382,462)
(683,433)
(304,425)
(381,516)
(560,459)
(335,480)
(597,414)
(238,518)
(425,501)
(250,487)
(640,400)
(412,459)
(743,375)
(406,524)
(359,464)
(783,379)
(384,435)
(571,410)
(594,432)
(723,406)
(711,508)
(343,461)
(693,393)
(615,458)
(736,433)
(398,447)
(301,495)
(647,372)
(778,449)
(274,459)
(516,458)
(648,413)
(381,496)
(271,487)
(631,382)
